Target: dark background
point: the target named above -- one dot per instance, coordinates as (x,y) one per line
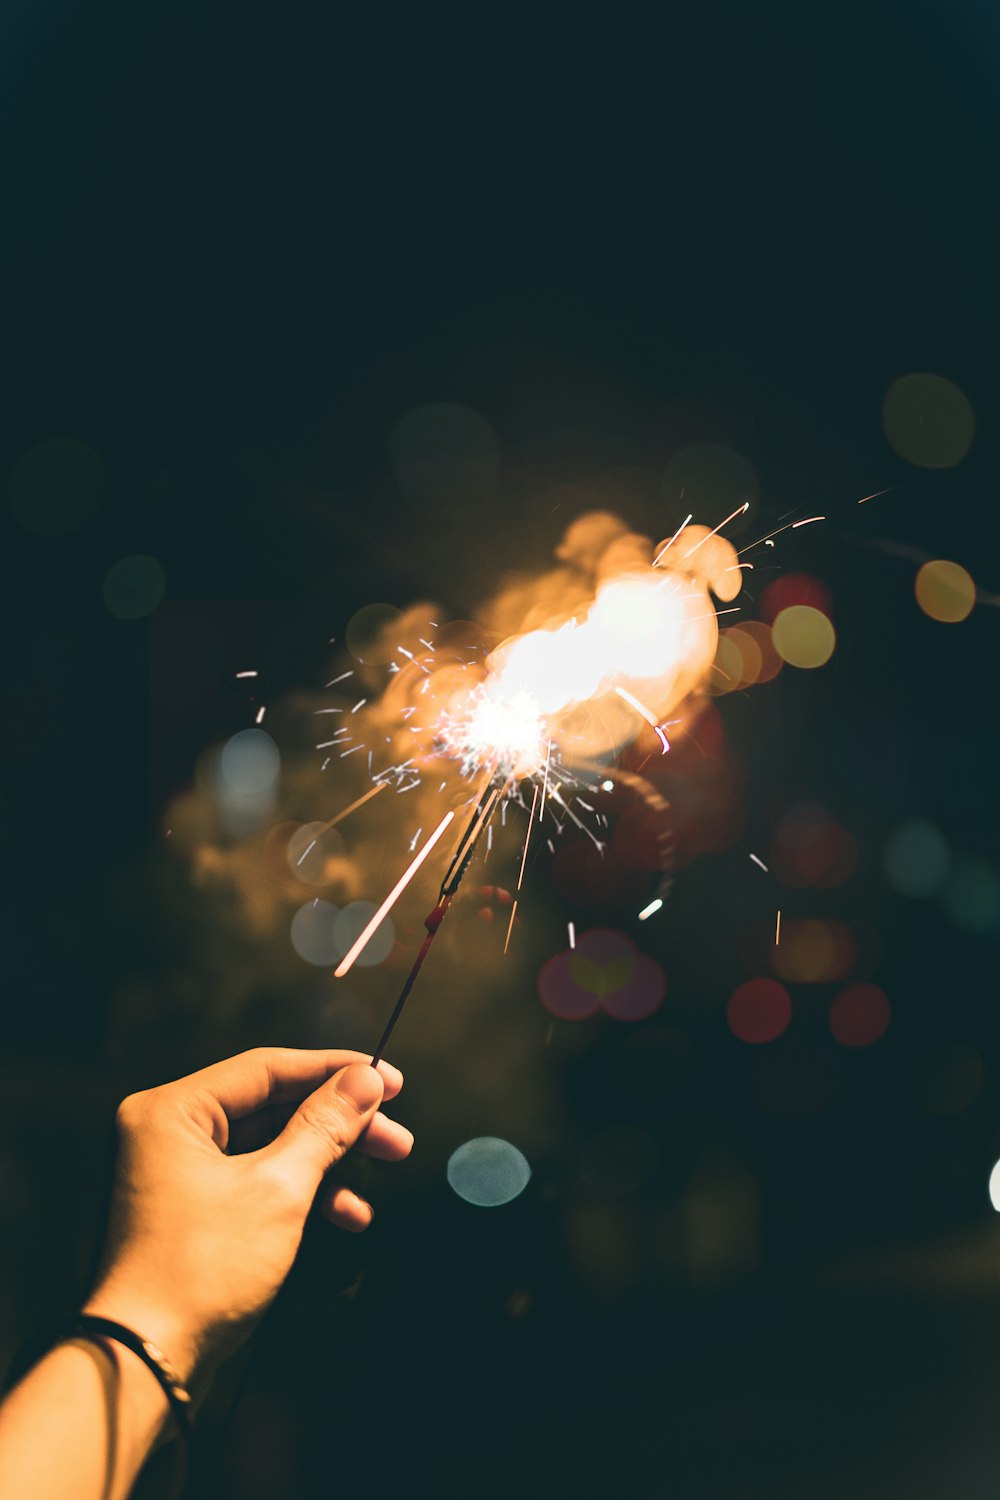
(235,254)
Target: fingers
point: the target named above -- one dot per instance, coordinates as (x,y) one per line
(345,1209)
(384,1140)
(276,1075)
(325,1125)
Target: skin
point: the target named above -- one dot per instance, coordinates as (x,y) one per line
(216,1175)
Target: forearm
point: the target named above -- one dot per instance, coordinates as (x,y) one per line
(81,1423)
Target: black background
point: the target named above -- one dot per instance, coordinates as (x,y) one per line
(235,253)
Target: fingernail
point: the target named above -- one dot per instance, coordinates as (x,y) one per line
(361,1084)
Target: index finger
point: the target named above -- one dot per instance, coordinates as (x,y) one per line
(277,1075)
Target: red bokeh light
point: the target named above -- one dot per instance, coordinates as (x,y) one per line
(859,1015)
(759,1011)
(794,588)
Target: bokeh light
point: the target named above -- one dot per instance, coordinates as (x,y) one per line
(995,1187)
(315,853)
(134,587)
(55,487)
(971,895)
(915,858)
(859,1015)
(350,924)
(619,1160)
(605,971)
(811,849)
(803,636)
(813,950)
(369,633)
(928,420)
(759,1011)
(313,933)
(488,1171)
(250,762)
(945,591)
(792,589)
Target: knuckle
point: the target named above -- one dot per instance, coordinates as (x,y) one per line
(327,1125)
(131,1111)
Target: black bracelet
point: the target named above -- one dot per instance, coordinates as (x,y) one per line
(87,1326)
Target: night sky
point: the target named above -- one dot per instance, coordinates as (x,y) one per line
(238,255)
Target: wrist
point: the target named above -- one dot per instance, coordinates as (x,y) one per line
(151,1320)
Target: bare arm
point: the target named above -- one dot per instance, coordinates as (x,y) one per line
(215,1178)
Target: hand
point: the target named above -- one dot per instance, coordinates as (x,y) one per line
(216,1175)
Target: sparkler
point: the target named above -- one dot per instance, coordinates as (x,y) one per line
(546,704)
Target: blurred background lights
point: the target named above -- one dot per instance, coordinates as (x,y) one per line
(794,588)
(971,895)
(915,858)
(488,1172)
(928,420)
(813,950)
(803,636)
(995,1187)
(369,633)
(811,849)
(945,591)
(859,1015)
(134,587)
(250,762)
(315,853)
(313,936)
(349,926)
(55,487)
(759,1011)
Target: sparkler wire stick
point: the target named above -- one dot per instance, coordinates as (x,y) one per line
(474,829)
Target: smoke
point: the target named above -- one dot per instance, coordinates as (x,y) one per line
(275,886)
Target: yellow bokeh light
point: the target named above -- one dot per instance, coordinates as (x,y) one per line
(928,420)
(945,591)
(803,636)
(750,656)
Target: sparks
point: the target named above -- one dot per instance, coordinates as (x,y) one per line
(339,817)
(246,674)
(362,940)
(510,926)
(739,511)
(807,522)
(260,715)
(760,862)
(640,708)
(875,494)
(777,929)
(671,541)
(342,678)
(648,911)
(571,932)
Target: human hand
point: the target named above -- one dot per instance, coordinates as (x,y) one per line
(215,1177)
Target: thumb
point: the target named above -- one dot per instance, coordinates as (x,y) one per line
(327,1123)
